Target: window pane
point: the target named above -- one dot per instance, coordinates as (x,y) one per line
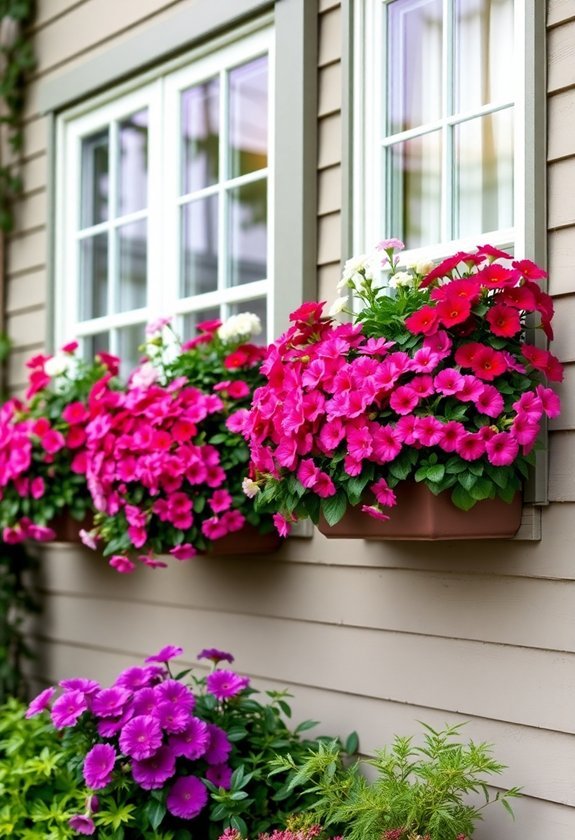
(133,164)
(248,233)
(132,266)
(95,180)
(191,320)
(414,169)
(130,340)
(249,117)
(94,277)
(92,344)
(414,39)
(484,188)
(259,307)
(201,130)
(199,247)
(484,68)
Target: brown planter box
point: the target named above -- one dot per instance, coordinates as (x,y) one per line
(419,515)
(246,541)
(68,529)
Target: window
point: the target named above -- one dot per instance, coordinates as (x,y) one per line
(438,100)
(163,200)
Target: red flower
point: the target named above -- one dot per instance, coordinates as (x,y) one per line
(493,253)
(496,276)
(453,310)
(544,361)
(466,288)
(444,268)
(519,296)
(504,320)
(529,269)
(488,364)
(308,313)
(465,355)
(424,321)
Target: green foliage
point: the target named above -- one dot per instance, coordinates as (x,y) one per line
(422,791)
(16,603)
(38,790)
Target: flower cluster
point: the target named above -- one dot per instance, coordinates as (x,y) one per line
(146,728)
(165,455)
(313,832)
(436,380)
(42,445)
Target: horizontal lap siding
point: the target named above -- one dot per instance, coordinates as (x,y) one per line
(373,636)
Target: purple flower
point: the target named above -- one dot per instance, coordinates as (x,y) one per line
(215,655)
(99,765)
(172,716)
(165,654)
(219,747)
(110,702)
(151,773)
(40,702)
(144,702)
(141,737)
(134,678)
(224,684)
(68,708)
(80,684)
(220,775)
(187,797)
(193,741)
(82,824)
(172,691)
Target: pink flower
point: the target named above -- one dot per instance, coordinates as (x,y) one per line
(110,702)
(403,400)
(424,320)
(219,747)
(185,551)
(502,449)
(225,684)
(470,389)
(121,564)
(451,434)
(307,473)
(324,486)
(525,430)
(40,703)
(187,797)
(470,446)
(165,654)
(428,430)
(152,773)
(387,442)
(193,741)
(82,824)
(374,512)
(68,708)
(215,655)
(550,402)
(37,487)
(53,441)
(490,401)
(75,413)
(220,501)
(282,525)
(383,493)
(390,245)
(141,737)
(449,381)
(220,775)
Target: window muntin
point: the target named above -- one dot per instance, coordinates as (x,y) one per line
(438,113)
(164,204)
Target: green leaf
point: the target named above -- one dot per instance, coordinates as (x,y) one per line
(467,480)
(155,811)
(334,507)
(352,743)
(305,725)
(461,498)
(436,473)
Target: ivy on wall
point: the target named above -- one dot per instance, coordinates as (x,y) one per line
(16,61)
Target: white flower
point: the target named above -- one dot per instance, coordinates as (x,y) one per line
(242,325)
(400,278)
(59,364)
(250,487)
(338,305)
(356,265)
(144,376)
(422,267)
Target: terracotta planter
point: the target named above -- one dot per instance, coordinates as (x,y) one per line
(245,542)
(419,515)
(68,529)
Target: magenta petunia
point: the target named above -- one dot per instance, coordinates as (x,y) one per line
(134,678)
(185,551)
(99,766)
(187,797)
(502,449)
(172,717)
(215,655)
(80,684)
(110,702)
(151,773)
(165,654)
(141,737)
(193,741)
(68,708)
(225,684)
(219,747)
(172,691)
(41,702)
(220,775)
(82,824)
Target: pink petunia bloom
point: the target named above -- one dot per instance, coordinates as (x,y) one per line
(453,310)
(41,533)
(215,655)
(236,422)
(134,678)
(225,684)
(425,360)
(37,487)
(324,486)
(374,512)
(99,766)
(525,430)
(428,430)
(80,684)
(544,361)
(490,401)
(172,717)
(185,551)
(451,434)
(471,388)
(152,773)
(68,708)
(82,824)
(449,381)
(550,401)
(121,564)
(220,775)
(53,441)
(172,691)
(281,524)
(75,413)
(187,797)
(307,473)
(383,493)
(220,501)
(359,441)
(331,435)
(423,321)
(422,386)
(219,747)
(40,703)
(404,400)
(141,737)
(502,449)
(193,741)
(470,446)
(110,702)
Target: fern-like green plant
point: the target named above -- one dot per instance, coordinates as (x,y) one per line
(419,791)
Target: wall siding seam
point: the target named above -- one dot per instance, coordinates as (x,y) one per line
(25,231)
(44,24)
(22,272)
(557,24)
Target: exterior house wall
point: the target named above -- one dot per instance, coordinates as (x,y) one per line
(368,636)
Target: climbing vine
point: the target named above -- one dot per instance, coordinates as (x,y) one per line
(16,61)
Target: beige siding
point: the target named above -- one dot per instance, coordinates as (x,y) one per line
(373,636)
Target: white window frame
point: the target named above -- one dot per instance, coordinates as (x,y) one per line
(369,87)
(159,91)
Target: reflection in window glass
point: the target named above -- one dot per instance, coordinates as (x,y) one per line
(199,267)
(484,70)
(94,277)
(414,170)
(133,164)
(192,319)
(415,33)
(484,188)
(132,263)
(94,179)
(248,233)
(259,307)
(98,343)
(249,117)
(130,339)
(201,135)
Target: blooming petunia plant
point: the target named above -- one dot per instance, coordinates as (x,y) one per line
(43,444)
(165,456)
(164,751)
(436,378)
